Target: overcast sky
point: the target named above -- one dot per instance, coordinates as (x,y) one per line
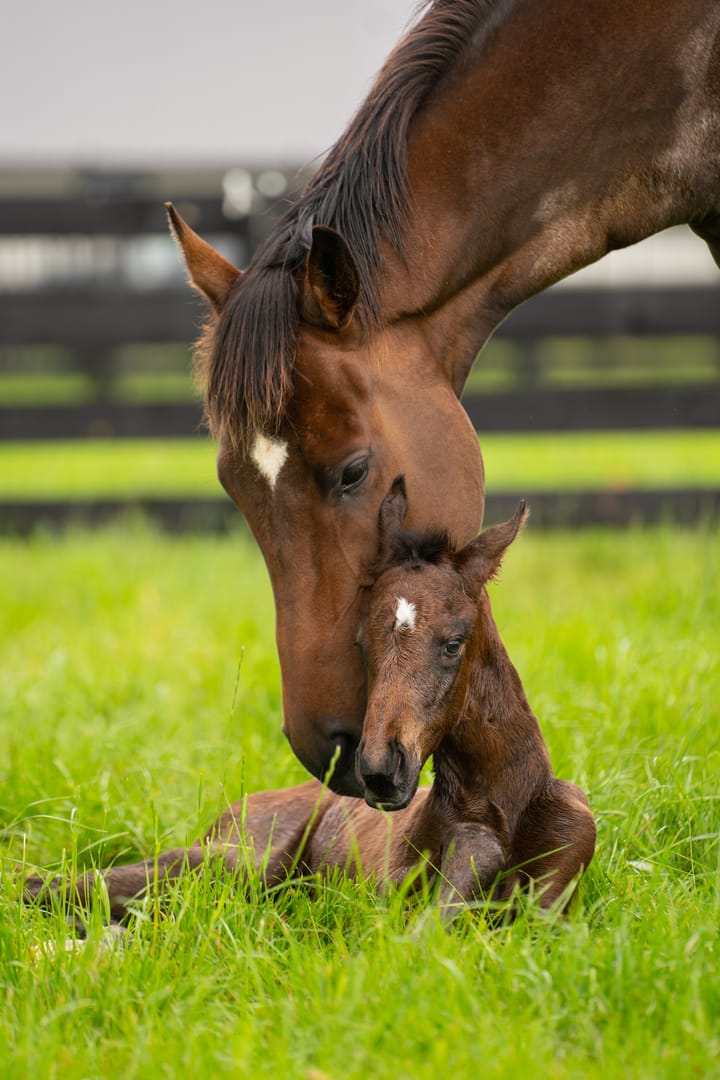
(148,82)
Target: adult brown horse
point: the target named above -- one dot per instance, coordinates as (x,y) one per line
(504,145)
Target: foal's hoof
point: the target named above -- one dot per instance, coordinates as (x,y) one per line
(113,937)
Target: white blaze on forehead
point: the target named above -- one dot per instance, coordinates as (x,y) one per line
(404,614)
(269,455)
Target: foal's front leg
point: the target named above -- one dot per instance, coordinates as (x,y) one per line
(472,861)
(124,884)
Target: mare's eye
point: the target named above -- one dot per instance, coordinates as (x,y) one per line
(353,475)
(452,647)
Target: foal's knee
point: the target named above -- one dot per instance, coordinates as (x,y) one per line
(474,858)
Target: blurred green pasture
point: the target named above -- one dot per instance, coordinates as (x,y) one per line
(186,467)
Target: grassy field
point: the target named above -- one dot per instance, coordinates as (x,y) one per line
(140,692)
(87,468)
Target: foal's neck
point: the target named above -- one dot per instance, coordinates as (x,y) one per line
(497,733)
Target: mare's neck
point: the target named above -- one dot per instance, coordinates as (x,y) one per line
(496,733)
(557,140)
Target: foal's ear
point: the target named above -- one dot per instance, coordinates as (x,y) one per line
(392,512)
(332,283)
(210,273)
(481,559)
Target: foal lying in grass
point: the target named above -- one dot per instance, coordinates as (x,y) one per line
(439,682)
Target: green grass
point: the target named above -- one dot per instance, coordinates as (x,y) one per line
(87,468)
(596,460)
(78,389)
(54,375)
(623,361)
(140,690)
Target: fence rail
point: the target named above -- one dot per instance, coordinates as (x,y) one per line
(550,509)
(514,411)
(82,317)
(94,322)
(104,213)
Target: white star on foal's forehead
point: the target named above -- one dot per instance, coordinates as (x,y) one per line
(269,455)
(405,613)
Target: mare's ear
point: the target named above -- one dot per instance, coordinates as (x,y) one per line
(332,283)
(210,273)
(392,512)
(481,559)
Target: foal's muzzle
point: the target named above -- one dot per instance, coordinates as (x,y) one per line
(390,780)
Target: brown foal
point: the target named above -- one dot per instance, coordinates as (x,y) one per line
(439,682)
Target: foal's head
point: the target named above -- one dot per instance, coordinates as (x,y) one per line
(420,640)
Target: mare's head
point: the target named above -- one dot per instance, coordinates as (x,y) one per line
(330,366)
(420,640)
(315,412)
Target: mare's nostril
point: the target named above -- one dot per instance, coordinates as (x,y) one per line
(336,767)
(342,755)
(343,743)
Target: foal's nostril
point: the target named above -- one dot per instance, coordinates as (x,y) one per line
(383,778)
(379,785)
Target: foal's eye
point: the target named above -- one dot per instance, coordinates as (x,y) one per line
(452,647)
(353,475)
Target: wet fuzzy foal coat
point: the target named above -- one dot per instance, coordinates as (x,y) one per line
(439,682)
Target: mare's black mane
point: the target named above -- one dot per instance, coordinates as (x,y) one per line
(361,191)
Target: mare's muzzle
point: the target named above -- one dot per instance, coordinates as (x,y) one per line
(333,761)
(389,779)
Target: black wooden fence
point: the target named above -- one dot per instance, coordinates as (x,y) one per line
(91,315)
(94,322)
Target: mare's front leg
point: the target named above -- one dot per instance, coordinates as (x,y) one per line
(554,843)
(473,858)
